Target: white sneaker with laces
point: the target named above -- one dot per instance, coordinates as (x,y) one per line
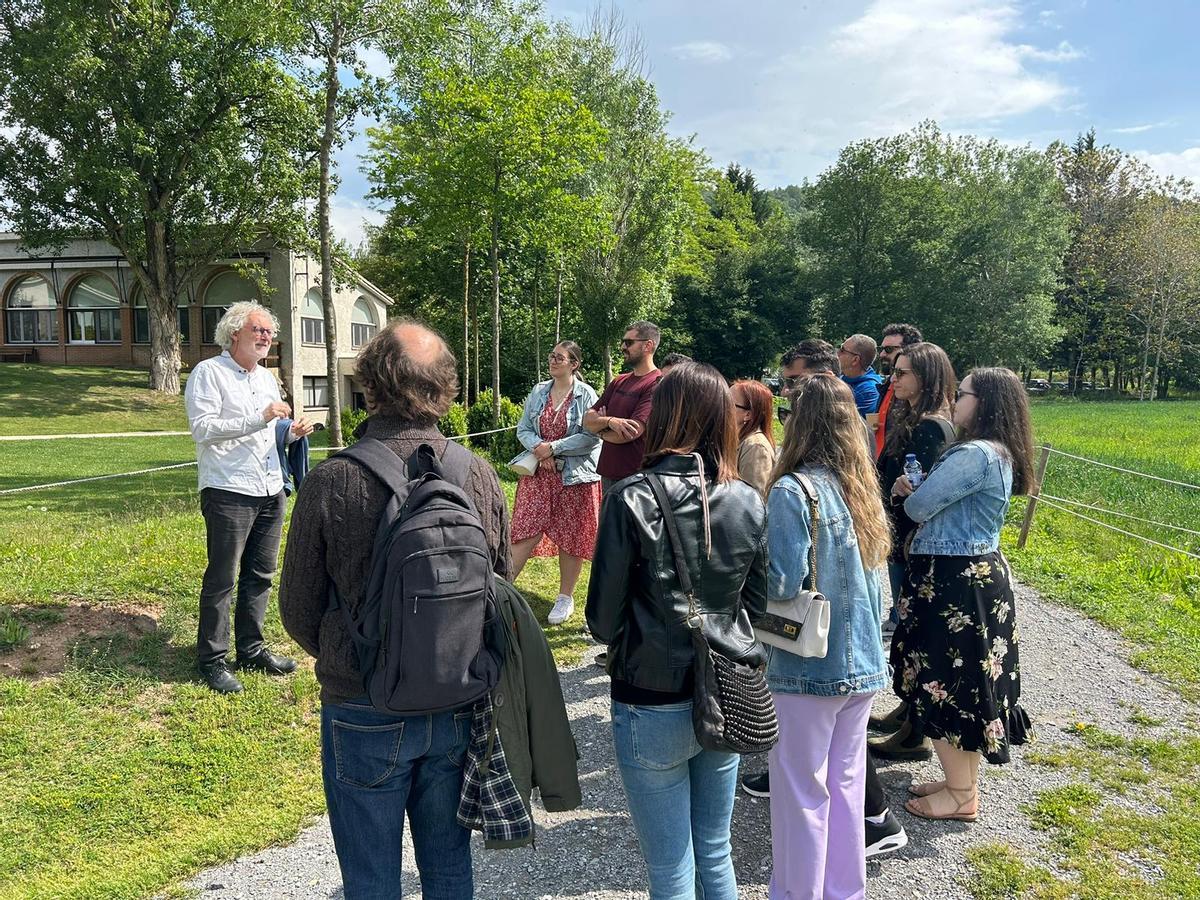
(563,607)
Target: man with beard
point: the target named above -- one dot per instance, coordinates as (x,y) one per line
(896,337)
(619,416)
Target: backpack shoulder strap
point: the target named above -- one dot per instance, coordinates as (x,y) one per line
(457,462)
(948,432)
(381,462)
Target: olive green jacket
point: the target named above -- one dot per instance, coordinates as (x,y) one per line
(531,713)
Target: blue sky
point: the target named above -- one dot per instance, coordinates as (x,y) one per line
(782,86)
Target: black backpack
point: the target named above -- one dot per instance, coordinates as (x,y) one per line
(427,634)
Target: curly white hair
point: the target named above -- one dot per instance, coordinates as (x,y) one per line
(235,319)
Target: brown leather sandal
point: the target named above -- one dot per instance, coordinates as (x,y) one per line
(924,789)
(919,806)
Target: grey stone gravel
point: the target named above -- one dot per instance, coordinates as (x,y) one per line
(1072,671)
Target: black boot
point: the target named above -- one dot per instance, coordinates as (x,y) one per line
(907,743)
(266,661)
(889,722)
(218,677)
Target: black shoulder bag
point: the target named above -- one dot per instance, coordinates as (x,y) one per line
(732,709)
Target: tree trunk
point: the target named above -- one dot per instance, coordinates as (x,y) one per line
(606,353)
(162,313)
(333,420)
(1145,357)
(558,307)
(537,337)
(496,301)
(466,355)
(1158,351)
(475,329)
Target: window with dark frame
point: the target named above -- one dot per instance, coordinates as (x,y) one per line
(316,391)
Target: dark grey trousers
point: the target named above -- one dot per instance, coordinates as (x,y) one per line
(243,547)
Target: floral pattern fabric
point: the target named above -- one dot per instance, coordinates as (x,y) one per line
(954,654)
(566,516)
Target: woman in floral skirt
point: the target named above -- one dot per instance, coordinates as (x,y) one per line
(558,507)
(954,653)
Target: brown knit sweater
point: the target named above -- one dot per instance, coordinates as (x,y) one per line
(330,540)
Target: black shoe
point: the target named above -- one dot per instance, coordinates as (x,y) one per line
(266,661)
(904,744)
(757,785)
(601,660)
(889,722)
(886,837)
(218,677)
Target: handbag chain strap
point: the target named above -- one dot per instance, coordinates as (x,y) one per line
(681,565)
(810,493)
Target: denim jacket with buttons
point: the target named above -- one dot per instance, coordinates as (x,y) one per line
(579,451)
(855,662)
(961,504)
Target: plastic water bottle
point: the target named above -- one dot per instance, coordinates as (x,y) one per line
(913,470)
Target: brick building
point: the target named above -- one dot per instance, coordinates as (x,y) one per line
(81,306)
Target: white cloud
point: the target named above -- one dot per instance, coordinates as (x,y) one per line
(375,61)
(1185,164)
(348,220)
(901,61)
(702,51)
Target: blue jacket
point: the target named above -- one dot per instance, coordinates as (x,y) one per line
(855,663)
(579,451)
(866,390)
(961,504)
(293,457)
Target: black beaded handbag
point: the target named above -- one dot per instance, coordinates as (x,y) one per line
(732,709)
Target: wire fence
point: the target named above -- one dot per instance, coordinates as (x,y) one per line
(1072,507)
(184,465)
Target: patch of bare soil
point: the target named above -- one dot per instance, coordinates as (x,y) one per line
(55,631)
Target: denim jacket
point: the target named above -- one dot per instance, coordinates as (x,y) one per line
(961,504)
(855,663)
(579,451)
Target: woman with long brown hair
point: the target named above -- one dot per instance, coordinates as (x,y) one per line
(819,767)
(954,654)
(680,796)
(754,412)
(919,424)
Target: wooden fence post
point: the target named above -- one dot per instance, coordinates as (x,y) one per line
(1031,503)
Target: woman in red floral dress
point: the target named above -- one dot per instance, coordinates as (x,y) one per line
(557,508)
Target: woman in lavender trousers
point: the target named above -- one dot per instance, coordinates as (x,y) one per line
(818,768)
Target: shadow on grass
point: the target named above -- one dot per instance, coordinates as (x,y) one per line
(121,656)
(42,392)
(134,499)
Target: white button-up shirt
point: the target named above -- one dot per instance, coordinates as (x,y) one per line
(235,446)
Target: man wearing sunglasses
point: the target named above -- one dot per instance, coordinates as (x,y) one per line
(619,417)
(896,337)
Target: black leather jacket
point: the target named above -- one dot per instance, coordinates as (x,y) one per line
(635,604)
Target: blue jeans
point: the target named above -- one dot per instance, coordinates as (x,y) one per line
(378,767)
(681,801)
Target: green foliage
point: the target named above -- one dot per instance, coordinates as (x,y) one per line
(502,447)
(172,131)
(13,632)
(454,422)
(351,419)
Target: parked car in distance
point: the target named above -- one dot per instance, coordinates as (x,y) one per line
(774,383)
(1037,385)
(1059,385)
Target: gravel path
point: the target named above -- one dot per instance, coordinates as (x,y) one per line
(1072,671)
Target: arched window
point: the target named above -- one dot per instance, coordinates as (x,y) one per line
(141,319)
(222,292)
(94,311)
(312,319)
(362,323)
(32,312)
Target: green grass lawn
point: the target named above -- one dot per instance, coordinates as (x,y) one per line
(83,400)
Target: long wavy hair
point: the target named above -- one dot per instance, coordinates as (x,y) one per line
(1002,416)
(761,401)
(825,429)
(693,413)
(932,368)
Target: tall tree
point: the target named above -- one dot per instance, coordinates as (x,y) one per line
(167,126)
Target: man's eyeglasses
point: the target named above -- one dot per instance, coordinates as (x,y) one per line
(790,381)
(629,342)
(889,351)
(782,412)
(960,393)
(261,330)
(557,358)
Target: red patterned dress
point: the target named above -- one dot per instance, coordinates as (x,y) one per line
(565,515)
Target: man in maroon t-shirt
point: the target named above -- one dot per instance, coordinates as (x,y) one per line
(619,416)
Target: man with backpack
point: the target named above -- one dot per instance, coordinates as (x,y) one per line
(387,582)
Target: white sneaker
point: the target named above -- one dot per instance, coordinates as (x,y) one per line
(563,607)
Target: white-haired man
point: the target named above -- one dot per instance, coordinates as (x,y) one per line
(231,403)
